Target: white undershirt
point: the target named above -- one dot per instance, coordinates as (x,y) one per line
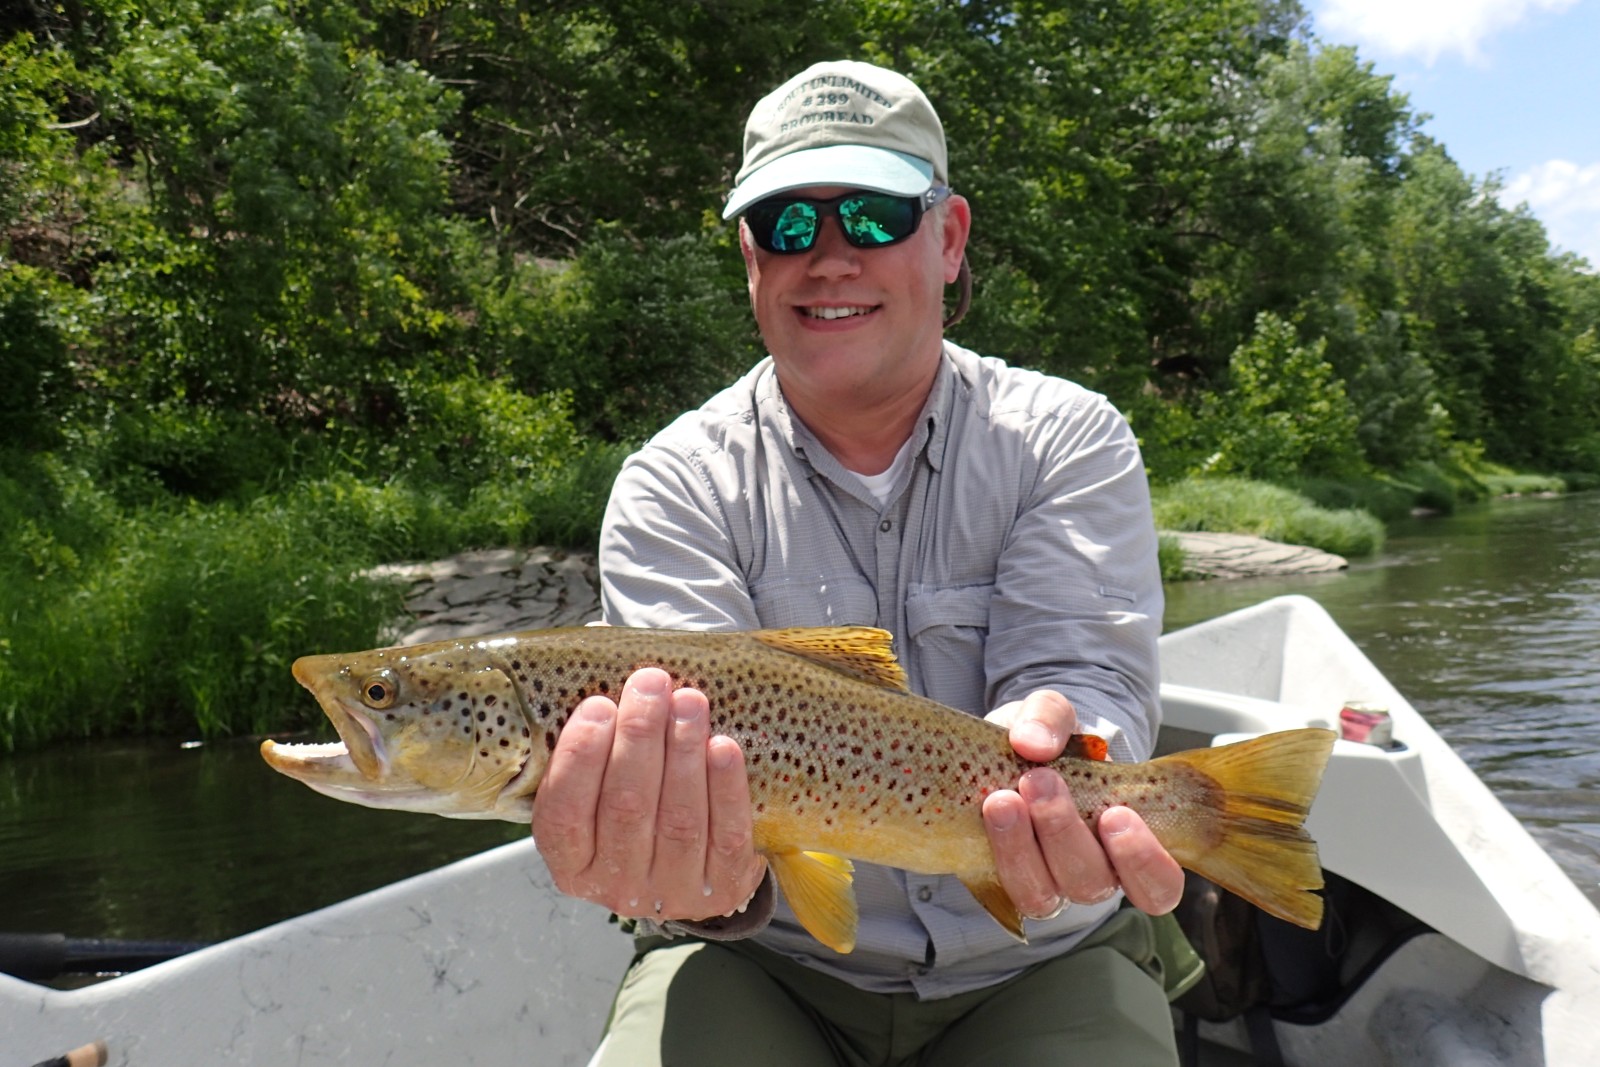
(880,485)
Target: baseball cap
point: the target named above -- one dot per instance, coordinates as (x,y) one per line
(841,123)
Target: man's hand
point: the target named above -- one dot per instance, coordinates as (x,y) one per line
(1046,854)
(643,812)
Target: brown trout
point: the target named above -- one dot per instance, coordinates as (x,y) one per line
(844,762)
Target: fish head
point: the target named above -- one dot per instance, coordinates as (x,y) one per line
(438,728)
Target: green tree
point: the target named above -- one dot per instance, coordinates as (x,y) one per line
(1285,413)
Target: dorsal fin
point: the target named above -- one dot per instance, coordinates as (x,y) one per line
(863,652)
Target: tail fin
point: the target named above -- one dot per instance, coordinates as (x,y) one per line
(1259,849)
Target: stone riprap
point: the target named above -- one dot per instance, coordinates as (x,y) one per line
(1228,555)
(494,591)
(503,589)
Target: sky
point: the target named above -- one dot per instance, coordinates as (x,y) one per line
(1512,88)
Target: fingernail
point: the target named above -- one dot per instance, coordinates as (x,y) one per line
(723,754)
(1036,734)
(686,711)
(1043,785)
(650,683)
(1115,822)
(1004,817)
(597,712)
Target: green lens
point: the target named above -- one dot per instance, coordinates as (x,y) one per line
(876,220)
(795,228)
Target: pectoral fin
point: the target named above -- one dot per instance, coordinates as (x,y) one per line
(818,886)
(997,902)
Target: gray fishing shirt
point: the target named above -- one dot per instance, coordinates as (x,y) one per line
(1016,552)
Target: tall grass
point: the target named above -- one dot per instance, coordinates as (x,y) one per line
(1236,505)
(182,618)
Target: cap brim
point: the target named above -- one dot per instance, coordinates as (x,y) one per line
(852,166)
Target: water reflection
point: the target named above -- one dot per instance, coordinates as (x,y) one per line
(149,840)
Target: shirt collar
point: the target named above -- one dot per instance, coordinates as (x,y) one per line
(929,437)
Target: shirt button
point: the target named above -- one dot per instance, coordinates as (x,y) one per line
(886,525)
(925,894)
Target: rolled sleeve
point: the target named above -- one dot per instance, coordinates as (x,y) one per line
(1077,602)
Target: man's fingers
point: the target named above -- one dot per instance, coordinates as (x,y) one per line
(564,806)
(1023,872)
(1078,865)
(1041,725)
(1149,875)
(678,870)
(733,870)
(625,818)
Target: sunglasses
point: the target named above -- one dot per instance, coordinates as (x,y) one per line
(869,220)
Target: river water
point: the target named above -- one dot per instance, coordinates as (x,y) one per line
(1488,621)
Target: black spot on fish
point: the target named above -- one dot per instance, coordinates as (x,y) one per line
(489,700)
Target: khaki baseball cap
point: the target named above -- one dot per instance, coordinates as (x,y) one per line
(841,123)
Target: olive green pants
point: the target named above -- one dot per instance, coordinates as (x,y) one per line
(704,1004)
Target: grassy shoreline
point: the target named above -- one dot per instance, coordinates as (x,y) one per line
(121,616)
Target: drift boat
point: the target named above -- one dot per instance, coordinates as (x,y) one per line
(1453,938)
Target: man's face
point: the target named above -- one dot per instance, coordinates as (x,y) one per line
(853,326)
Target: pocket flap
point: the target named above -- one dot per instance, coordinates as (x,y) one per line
(961,605)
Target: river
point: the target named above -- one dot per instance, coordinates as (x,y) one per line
(1488,621)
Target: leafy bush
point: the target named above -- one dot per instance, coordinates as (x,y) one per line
(637,332)
(1285,412)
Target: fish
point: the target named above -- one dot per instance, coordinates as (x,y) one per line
(845,763)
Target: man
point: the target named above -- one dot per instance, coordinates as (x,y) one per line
(996,521)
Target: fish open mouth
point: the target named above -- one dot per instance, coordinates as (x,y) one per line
(359,748)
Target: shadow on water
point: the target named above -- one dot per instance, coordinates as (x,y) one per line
(1485,620)
(1489,623)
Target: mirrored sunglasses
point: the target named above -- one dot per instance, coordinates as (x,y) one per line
(785,225)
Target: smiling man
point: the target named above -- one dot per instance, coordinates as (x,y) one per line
(996,521)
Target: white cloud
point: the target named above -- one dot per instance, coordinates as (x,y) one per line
(1566,198)
(1426,28)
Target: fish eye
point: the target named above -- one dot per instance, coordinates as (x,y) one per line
(380,688)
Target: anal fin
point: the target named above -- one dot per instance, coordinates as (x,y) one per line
(997,902)
(819,887)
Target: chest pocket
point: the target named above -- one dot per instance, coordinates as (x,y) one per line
(948,630)
(835,601)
